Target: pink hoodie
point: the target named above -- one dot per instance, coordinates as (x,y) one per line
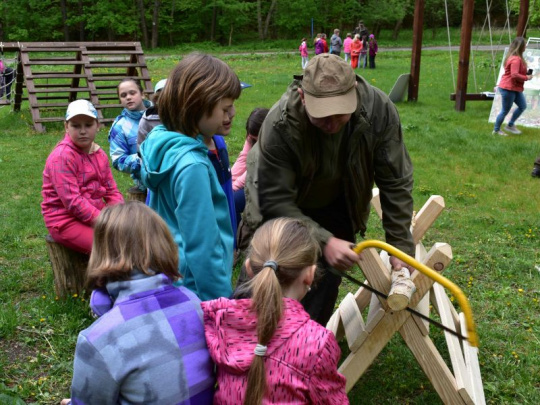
(301,359)
(76,184)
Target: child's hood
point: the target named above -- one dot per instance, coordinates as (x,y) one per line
(161,153)
(231,335)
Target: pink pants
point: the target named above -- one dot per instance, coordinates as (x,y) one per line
(74,235)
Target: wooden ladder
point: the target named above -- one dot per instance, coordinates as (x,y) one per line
(56,74)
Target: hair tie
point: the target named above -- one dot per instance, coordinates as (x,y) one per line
(272,264)
(260,350)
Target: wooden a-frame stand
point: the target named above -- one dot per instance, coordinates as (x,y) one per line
(367,338)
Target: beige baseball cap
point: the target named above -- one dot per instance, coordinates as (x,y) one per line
(329,86)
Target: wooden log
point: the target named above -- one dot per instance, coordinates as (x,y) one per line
(401,290)
(68,266)
(136,195)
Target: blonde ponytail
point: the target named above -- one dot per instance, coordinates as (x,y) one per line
(280,250)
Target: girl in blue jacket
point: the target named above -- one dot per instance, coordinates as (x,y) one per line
(123,132)
(197,103)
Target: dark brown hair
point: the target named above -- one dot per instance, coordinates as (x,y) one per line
(290,243)
(131,236)
(137,83)
(194,87)
(255,120)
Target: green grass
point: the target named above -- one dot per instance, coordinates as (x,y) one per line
(491,221)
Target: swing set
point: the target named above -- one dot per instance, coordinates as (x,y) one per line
(460,95)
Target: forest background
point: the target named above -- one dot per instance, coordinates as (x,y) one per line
(166,23)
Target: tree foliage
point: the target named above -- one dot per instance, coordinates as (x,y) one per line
(168,22)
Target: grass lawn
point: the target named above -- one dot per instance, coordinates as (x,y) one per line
(491,220)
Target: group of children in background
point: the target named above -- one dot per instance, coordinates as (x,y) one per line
(358,49)
(151,266)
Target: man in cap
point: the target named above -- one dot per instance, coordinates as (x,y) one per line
(321,148)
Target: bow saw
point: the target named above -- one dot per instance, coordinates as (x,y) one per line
(456,291)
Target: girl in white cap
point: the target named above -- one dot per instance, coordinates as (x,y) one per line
(77,180)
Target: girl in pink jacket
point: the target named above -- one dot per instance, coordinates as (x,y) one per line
(239,169)
(267,349)
(77,180)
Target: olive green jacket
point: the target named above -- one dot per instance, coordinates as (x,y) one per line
(283,163)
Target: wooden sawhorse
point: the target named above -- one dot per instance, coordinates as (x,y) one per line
(367,339)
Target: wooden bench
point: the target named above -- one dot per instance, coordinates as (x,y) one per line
(68,266)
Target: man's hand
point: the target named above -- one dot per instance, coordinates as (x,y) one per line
(338,254)
(397,264)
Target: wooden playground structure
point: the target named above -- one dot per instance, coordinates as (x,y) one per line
(367,338)
(57,73)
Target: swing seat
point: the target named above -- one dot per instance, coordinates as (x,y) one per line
(397,94)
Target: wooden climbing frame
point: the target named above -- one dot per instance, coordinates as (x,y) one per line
(367,338)
(57,73)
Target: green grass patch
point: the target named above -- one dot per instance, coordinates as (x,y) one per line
(491,221)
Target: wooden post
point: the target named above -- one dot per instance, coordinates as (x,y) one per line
(464,53)
(522,18)
(418,29)
(68,266)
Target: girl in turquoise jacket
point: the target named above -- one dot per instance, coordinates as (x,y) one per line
(196,104)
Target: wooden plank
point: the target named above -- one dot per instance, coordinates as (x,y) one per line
(473,367)
(352,322)
(354,366)
(55,75)
(375,271)
(61,90)
(116,64)
(423,305)
(437,258)
(427,216)
(432,363)
(473,97)
(375,314)
(56,63)
(438,296)
(453,344)
(376,202)
(114,52)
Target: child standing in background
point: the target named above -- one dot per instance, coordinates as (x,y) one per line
(356,48)
(362,62)
(304,53)
(148,345)
(123,132)
(77,180)
(267,349)
(347,47)
(373,49)
(239,169)
(196,103)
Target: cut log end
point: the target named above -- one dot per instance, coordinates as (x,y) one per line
(401,290)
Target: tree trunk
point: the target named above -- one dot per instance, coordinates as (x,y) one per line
(259,20)
(142,21)
(397,28)
(81,23)
(64,20)
(269,17)
(213,26)
(155,21)
(230,35)
(171,35)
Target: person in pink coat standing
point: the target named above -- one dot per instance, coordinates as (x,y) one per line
(347,47)
(77,181)
(304,53)
(267,350)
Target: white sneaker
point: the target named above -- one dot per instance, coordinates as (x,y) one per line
(512,129)
(499,132)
